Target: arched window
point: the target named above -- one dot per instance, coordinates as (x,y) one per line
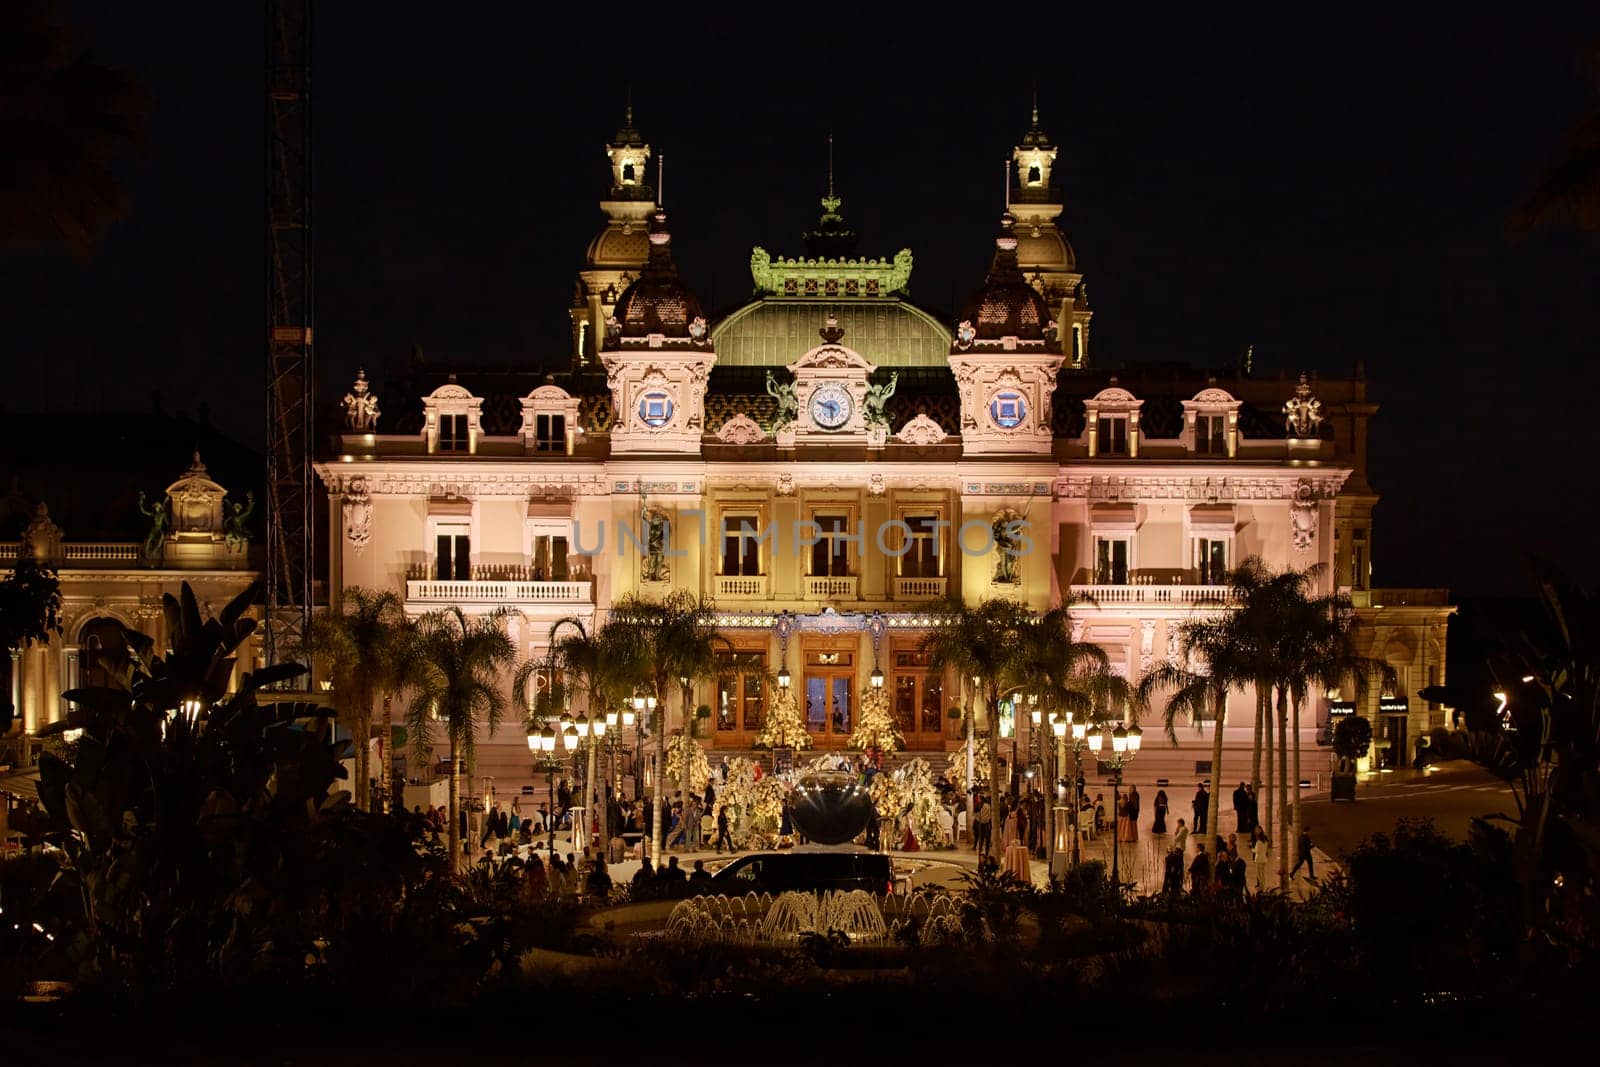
(100,638)
(1034,174)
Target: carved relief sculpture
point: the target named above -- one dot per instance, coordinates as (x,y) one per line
(741,429)
(788,403)
(877,397)
(1007,568)
(653,568)
(1303,517)
(921,430)
(358,514)
(1147,642)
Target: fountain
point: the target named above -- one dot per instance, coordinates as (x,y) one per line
(830,807)
(855,914)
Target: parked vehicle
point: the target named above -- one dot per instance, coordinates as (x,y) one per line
(803,869)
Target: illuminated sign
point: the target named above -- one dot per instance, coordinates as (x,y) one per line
(1393,705)
(1337,708)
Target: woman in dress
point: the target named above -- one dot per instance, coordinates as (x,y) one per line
(1160,825)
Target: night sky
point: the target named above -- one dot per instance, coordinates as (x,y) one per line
(1324,192)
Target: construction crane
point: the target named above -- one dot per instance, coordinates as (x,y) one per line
(290,362)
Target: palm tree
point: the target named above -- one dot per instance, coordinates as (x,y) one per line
(367,648)
(981,642)
(1319,650)
(1222,647)
(67,121)
(1071,677)
(591,664)
(1568,190)
(665,640)
(462,663)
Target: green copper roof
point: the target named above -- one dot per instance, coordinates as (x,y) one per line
(774,332)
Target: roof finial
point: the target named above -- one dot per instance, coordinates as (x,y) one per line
(1008,184)
(830,164)
(661,180)
(1036,103)
(628,111)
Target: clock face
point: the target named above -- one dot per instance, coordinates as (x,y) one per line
(831,406)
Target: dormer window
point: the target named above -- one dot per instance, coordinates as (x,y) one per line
(1211,423)
(1111,420)
(1112,430)
(628,173)
(453,436)
(550,433)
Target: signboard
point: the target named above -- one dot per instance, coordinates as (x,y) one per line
(1394,705)
(1339,708)
(782,760)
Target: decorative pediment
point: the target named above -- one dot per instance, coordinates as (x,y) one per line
(1213,396)
(922,430)
(1113,397)
(741,430)
(449,391)
(196,501)
(832,357)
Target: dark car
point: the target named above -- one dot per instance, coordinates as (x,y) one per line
(806,870)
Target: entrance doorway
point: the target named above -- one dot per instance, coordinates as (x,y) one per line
(830,706)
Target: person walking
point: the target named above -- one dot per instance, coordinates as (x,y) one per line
(722,829)
(1303,855)
(1202,800)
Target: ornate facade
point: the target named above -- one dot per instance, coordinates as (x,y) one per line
(195,534)
(830,459)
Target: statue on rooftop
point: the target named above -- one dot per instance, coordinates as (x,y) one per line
(788,402)
(877,398)
(157,514)
(236,526)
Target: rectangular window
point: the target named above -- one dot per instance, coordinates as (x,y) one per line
(452,557)
(830,556)
(550,433)
(452,433)
(741,552)
(550,558)
(1211,560)
(1211,435)
(1358,559)
(741,693)
(1111,560)
(1112,435)
(905,702)
(922,558)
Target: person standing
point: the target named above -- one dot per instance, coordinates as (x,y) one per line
(1241,808)
(722,829)
(1202,799)
(983,825)
(1134,804)
(1180,837)
(1172,874)
(1160,824)
(1199,871)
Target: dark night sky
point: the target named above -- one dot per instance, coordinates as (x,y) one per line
(1325,192)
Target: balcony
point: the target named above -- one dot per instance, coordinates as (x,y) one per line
(840,588)
(919,588)
(1181,595)
(1400,598)
(427,591)
(741,587)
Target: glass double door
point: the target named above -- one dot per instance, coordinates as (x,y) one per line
(830,704)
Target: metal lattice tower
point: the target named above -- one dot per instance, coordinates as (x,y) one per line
(290,363)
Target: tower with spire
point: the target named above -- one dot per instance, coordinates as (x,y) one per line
(1044,255)
(832,239)
(619,251)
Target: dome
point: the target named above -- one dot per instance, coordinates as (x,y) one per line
(659,302)
(614,248)
(1006,305)
(1048,250)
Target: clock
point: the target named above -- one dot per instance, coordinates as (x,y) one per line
(831,407)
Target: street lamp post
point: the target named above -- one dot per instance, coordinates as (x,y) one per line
(543,744)
(1124,747)
(584,728)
